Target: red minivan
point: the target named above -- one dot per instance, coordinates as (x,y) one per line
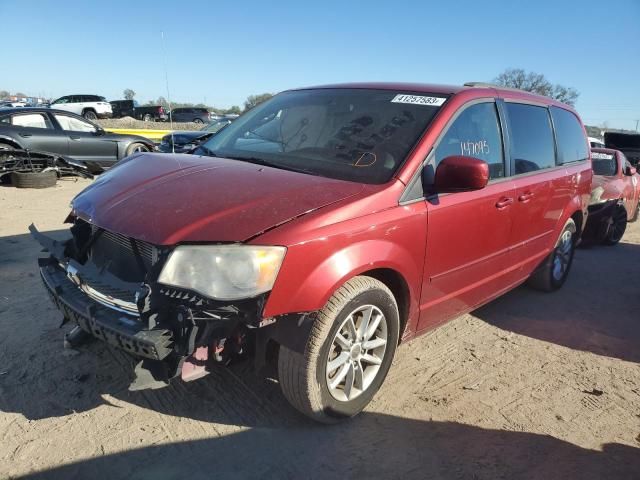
(320,230)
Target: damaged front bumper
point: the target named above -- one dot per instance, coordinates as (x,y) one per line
(175,332)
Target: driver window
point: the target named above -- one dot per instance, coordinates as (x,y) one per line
(71,124)
(475,133)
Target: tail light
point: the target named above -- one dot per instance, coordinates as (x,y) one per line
(160,110)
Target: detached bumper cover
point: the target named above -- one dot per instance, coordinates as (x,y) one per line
(120,330)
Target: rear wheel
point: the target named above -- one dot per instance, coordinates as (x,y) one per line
(136,147)
(347,355)
(147,117)
(90,115)
(197,120)
(617,226)
(34,179)
(553,272)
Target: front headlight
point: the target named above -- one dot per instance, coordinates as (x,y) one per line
(223,272)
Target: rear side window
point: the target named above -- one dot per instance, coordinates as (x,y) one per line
(475,133)
(531,138)
(570,138)
(31,120)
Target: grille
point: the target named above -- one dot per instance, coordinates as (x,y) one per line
(116,253)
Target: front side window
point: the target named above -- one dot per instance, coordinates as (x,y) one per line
(475,133)
(360,135)
(61,101)
(570,138)
(531,137)
(72,124)
(31,120)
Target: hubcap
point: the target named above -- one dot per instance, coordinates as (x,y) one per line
(562,255)
(356,353)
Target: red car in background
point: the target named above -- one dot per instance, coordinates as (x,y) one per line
(321,229)
(615,192)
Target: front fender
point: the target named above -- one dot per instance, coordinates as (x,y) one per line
(11,140)
(301,287)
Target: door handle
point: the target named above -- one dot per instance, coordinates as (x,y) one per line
(504,202)
(525,197)
(24,135)
(74,137)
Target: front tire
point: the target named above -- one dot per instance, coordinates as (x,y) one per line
(147,117)
(553,272)
(617,226)
(135,148)
(347,355)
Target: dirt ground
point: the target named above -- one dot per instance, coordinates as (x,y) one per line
(531,386)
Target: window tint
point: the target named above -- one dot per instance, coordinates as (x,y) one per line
(572,144)
(532,144)
(32,120)
(72,124)
(475,133)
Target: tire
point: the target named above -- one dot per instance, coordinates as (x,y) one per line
(617,227)
(5,179)
(147,117)
(304,379)
(136,147)
(197,120)
(34,179)
(547,277)
(90,115)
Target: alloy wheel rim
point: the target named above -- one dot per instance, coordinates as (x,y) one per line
(356,353)
(138,149)
(562,256)
(618,225)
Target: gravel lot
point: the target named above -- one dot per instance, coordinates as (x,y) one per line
(530,386)
(132,123)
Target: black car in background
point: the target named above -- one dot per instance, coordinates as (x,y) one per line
(190,114)
(66,134)
(627,143)
(131,108)
(184,141)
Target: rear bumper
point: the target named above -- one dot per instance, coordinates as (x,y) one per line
(121,330)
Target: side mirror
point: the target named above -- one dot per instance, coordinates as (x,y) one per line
(100,131)
(629,171)
(460,174)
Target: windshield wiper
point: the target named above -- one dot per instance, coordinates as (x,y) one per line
(266,163)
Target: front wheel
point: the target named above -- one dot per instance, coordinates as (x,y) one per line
(135,148)
(617,226)
(553,272)
(147,117)
(347,355)
(197,120)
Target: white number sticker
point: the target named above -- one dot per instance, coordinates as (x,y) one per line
(418,100)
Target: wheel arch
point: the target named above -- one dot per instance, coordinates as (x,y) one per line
(10,141)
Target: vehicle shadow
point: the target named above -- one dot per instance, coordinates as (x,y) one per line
(369,446)
(595,311)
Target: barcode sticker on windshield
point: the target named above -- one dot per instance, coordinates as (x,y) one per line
(601,156)
(418,100)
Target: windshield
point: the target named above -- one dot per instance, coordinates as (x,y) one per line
(604,164)
(217,125)
(350,134)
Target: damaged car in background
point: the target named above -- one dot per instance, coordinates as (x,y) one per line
(615,197)
(319,230)
(28,169)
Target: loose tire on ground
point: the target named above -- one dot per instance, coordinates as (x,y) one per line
(5,179)
(304,378)
(544,278)
(136,147)
(34,179)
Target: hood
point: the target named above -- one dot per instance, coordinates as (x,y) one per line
(169,199)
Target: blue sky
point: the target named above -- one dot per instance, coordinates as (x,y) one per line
(221,51)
